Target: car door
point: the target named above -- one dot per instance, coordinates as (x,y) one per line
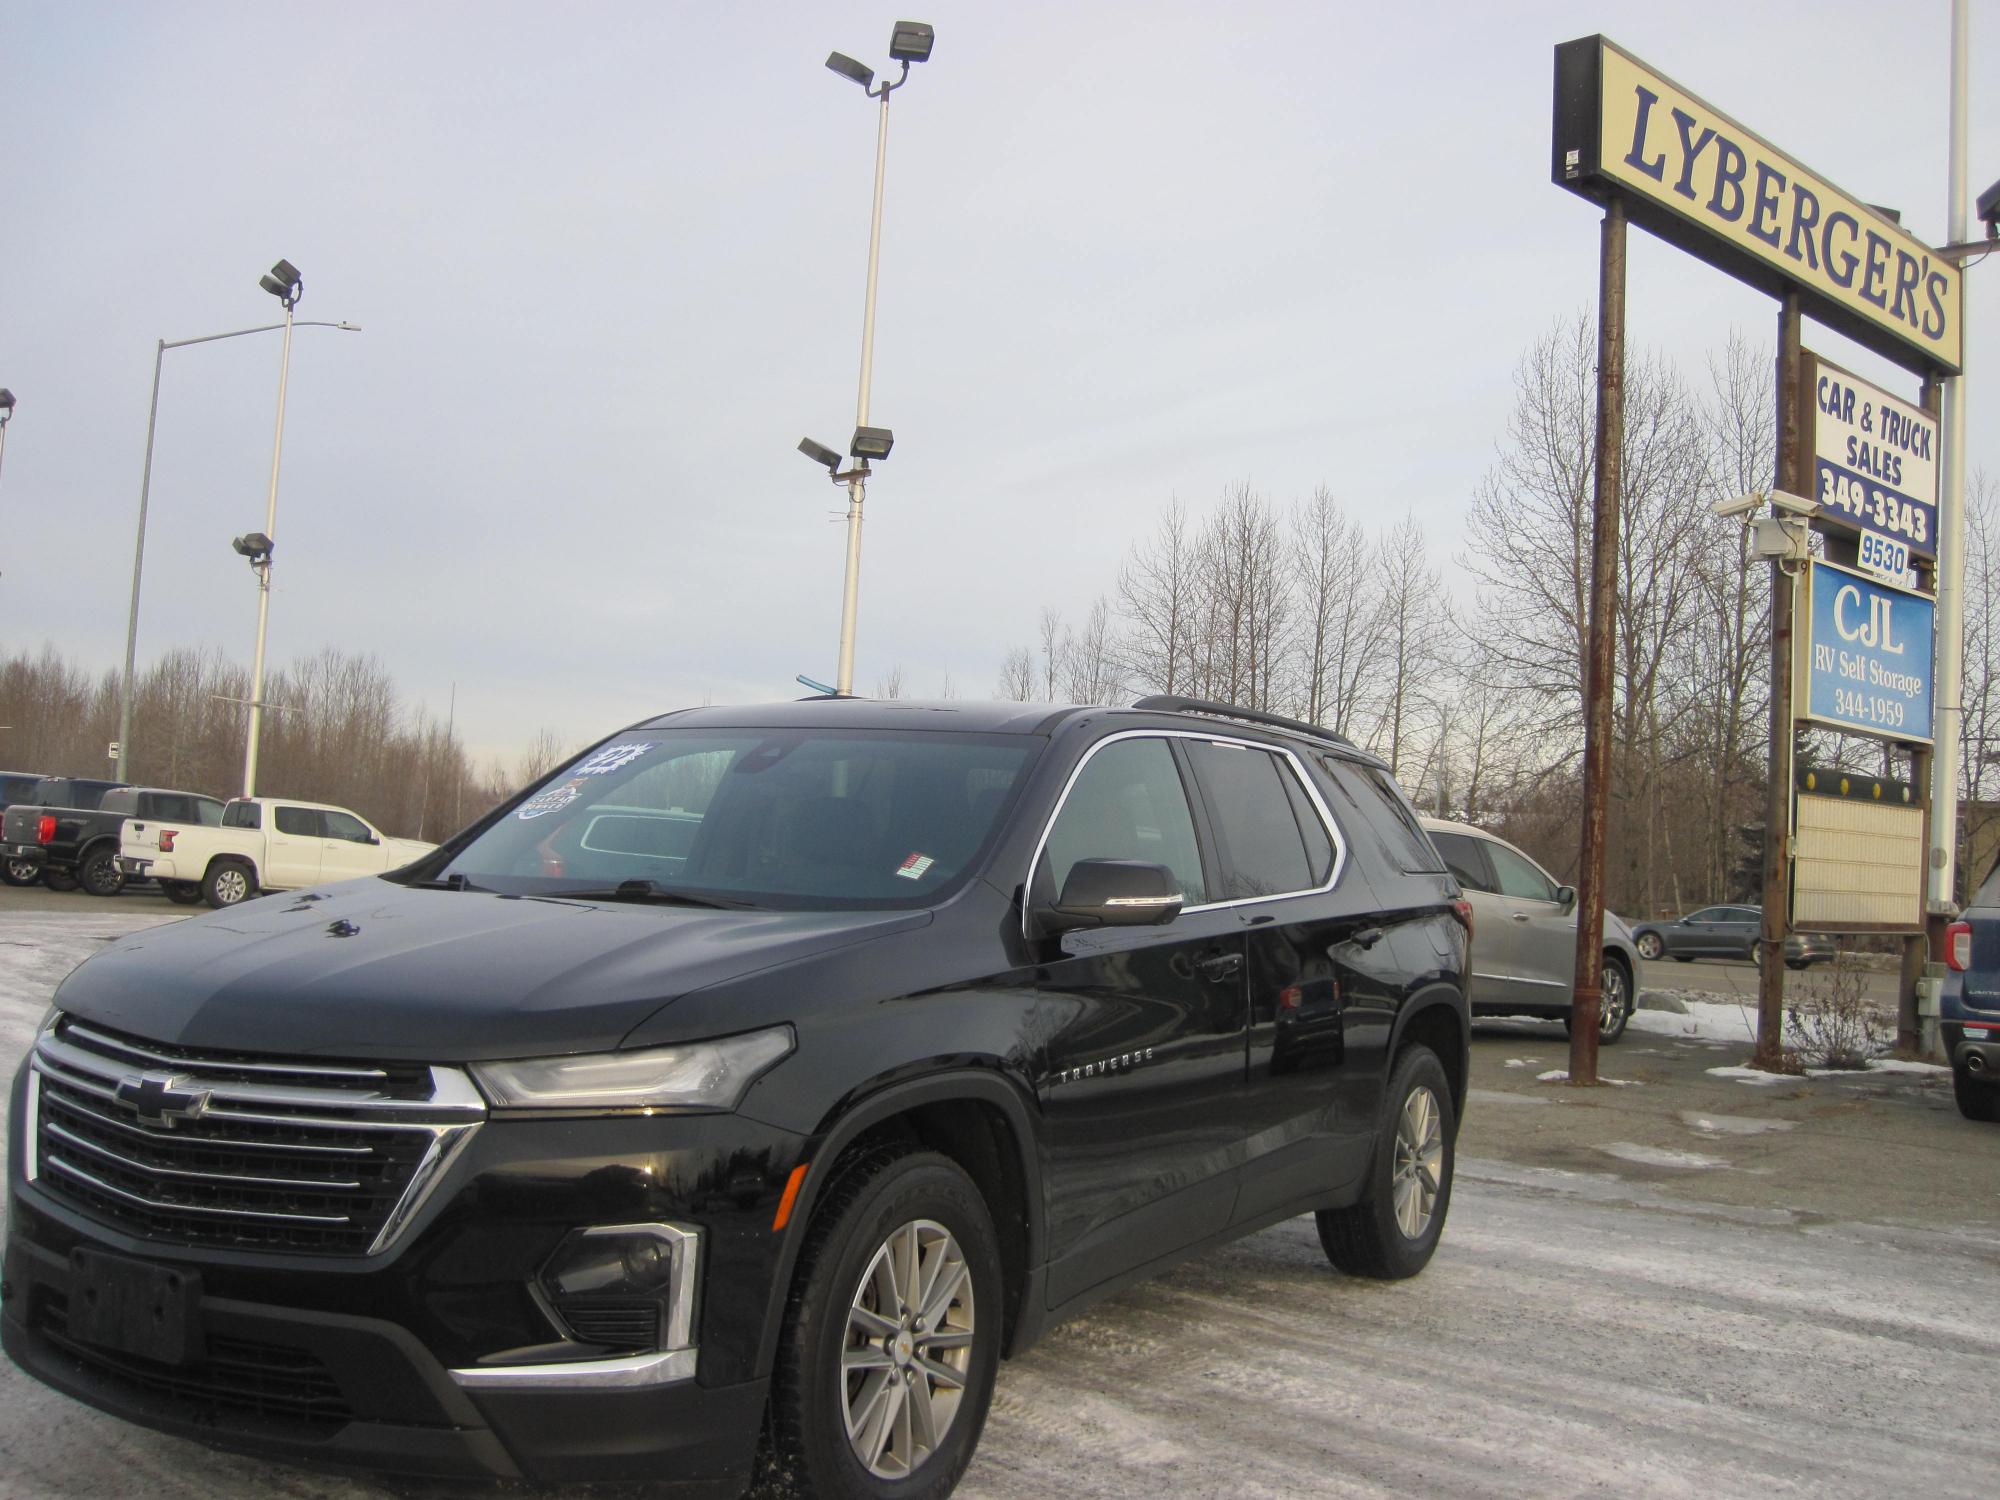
(1743,927)
(1315,936)
(1494,958)
(348,848)
(1541,928)
(292,848)
(1141,1076)
(1701,934)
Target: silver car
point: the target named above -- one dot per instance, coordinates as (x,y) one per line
(1524,933)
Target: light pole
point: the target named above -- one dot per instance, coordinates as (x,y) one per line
(6,416)
(160,349)
(283,282)
(909,42)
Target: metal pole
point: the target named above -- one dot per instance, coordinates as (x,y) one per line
(3,441)
(264,571)
(1917,946)
(1951,536)
(857,486)
(1778,778)
(1598,657)
(138,565)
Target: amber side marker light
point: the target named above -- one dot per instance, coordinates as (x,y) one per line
(792,1184)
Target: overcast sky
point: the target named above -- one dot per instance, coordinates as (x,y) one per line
(609,260)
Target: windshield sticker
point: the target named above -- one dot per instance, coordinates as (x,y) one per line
(611,758)
(555,799)
(914,867)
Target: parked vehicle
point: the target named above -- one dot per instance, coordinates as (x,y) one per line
(261,844)
(1524,961)
(17,786)
(1726,932)
(54,804)
(764,1071)
(84,844)
(1969,1004)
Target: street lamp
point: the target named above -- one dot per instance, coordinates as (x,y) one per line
(283,282)
(160,349)
(909,41)
(6,415)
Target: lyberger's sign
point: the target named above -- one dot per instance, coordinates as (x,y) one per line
(1695,177)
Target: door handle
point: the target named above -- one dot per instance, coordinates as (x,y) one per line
(1368,937)
(1220,965)
(1520,916)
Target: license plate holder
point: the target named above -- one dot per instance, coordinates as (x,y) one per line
(135,1307)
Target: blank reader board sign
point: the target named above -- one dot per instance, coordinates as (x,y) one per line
(1865,665)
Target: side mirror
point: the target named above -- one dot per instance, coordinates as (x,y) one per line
(1115,893)
(372,839)
(1566,898)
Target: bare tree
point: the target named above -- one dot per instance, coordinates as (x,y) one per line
(1090,664)
(892,685)
(1017,675)
(1339,634)
(1155,598)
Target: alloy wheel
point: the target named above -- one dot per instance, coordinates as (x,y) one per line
(908,1352)
(1649,945)
(231,886)
(1612,1001)
(1419,1168)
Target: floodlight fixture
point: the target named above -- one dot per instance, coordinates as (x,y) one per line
(283,282)
(819,453)
(256,546)
(6,404)
(848,68)
(1988,209)
(871,442)
(910,42)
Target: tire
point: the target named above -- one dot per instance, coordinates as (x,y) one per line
(1615,1005)
(1649,945)
(1683,958)
(182,892)
(1798,963)
(58,880)
(835,1396)
(1415,1144)
(98,872)
(20,871)
(228,883)
(1977,1100)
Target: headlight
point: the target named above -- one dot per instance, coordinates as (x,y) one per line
(698,1075)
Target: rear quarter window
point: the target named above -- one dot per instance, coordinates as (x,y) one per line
(1386,819)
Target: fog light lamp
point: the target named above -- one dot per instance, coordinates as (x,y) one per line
(624,1286)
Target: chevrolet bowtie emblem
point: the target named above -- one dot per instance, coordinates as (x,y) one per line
(161,1098)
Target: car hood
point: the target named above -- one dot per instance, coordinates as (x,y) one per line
(373,969)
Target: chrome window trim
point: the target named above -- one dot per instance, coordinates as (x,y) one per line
(667,1366)
(1305,780)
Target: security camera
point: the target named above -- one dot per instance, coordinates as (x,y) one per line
(1743,505)
(1989,211)
(1792,505)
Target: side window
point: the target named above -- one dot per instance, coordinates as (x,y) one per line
(1260,843)
(340,825)
(171,807)
(1319,844)
(300,822)
(1519,876)
(1710,914)
(1128,803)
(243,815)
(1465,857)
(208,812)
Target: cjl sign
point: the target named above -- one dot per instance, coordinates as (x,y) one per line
(1866,662)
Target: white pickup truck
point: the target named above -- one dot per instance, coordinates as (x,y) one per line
(264,844)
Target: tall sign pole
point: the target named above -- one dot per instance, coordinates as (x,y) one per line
(1951,544)
(1777,891)
(1588,994)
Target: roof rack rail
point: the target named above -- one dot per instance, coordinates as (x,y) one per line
(1173,703)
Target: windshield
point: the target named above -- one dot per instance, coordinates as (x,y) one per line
(781,818)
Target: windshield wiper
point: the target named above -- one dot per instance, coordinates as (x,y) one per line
(648,890)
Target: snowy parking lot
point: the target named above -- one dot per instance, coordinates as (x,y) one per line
(1686,1286)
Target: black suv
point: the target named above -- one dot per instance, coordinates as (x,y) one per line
(756,1081)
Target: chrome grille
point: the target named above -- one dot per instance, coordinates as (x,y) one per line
(239,1150)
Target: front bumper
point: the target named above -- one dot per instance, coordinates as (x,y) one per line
(437,1357)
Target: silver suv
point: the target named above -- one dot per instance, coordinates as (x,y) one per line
(1524,933)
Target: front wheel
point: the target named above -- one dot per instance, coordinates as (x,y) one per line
(1649,945)
(227,883)
(1615,1003)
(99,873)
(892,1334)
(20,871)
(1393,1230)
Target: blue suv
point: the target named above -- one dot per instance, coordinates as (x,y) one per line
(1969,1011)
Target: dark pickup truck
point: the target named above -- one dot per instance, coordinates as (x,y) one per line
(70,827)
